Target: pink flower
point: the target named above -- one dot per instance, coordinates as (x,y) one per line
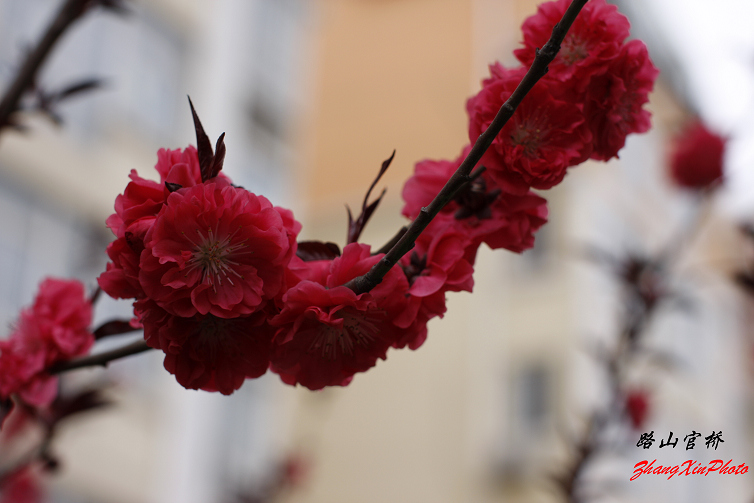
(544,137)
(326,333)
(595,37)
(436,265)
(54,329)
(480,210)
(697,158)
(207,352)
(614,100)
(216,249)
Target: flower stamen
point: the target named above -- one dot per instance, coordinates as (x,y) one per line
(214,256)
(357,330)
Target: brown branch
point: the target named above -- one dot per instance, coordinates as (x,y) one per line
(101,359)
(538,69)
(25,80)
(635,321)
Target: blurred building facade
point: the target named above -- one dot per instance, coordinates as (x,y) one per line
(313,96)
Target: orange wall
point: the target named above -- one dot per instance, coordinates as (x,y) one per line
(389,75)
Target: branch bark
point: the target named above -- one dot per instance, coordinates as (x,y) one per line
(538,69)
(101,359)
(25,79)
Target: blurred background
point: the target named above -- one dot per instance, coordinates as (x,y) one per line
(313,96)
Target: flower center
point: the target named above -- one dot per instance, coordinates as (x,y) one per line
(530,132)
(573,49)
(358,329)
(215,257)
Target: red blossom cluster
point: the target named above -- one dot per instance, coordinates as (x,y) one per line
(54,329)
(218,286)
(205,262)
(223,289)
(586,105)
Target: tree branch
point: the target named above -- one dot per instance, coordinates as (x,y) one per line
(70,11)
(373,277)
(101,359)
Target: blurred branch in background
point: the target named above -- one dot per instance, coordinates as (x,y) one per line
(26,78)
(643,283)
(696,168)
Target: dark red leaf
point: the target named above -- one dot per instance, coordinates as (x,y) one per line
(203,145)
(350,220)
(356,227)
(219,157)
(317,250)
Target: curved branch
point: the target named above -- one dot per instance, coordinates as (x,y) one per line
(101,359)
(373,277)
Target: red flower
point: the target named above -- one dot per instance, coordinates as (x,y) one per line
(697,159)
(637,407)
(327,333)
(543,138)
(207,352)
(216,249)
(55,328)
(299,270)
(121,277)
(436,265)
(614,100)
(185,162)
(480,210)
(595,37)
(135,212)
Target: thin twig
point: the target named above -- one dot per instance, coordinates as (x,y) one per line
(25,80)
(538,69)
(387,246)
(635,321)
(101,359)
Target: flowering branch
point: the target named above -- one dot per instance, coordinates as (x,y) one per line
(26,77)
(643,283)
(101,359)
(538,69)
